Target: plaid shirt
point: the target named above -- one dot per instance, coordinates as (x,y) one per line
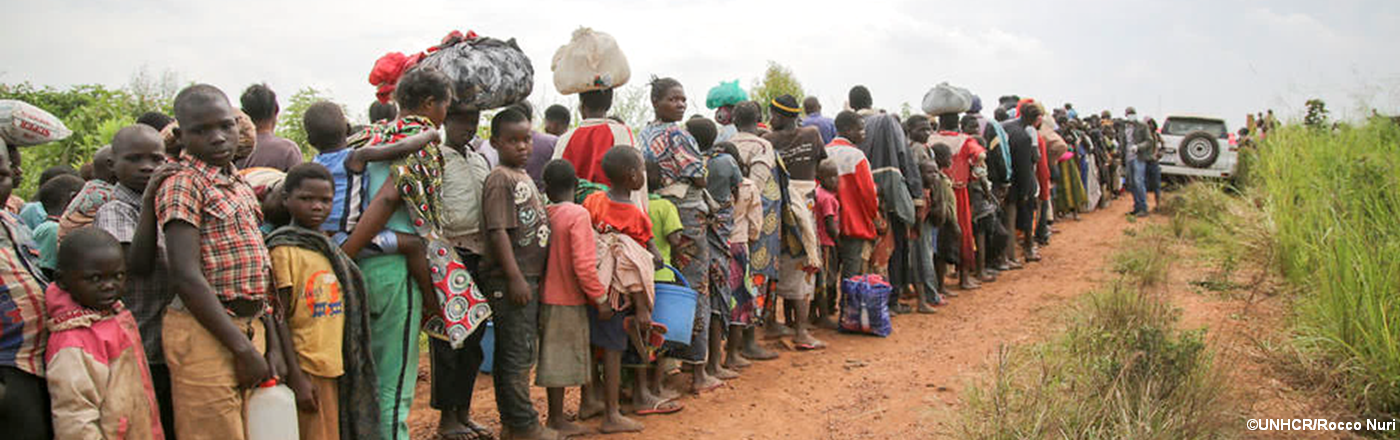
(23,336)
(146,296)
(222,206)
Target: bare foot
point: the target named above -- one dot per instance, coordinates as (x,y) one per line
(535,432)
(566,428)
(721,373)
(708,383)
(969,285)
(757,353)
(775,331)
(736,361)
(926,309)
(617,423)
(666,393)
(589,408)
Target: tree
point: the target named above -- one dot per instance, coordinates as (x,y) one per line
(905,110)
(154,93)
(289,122)
(777,81)
(632,103)
(1317,114)
(94,113)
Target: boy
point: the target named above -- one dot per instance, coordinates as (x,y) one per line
(454,371)
(137,153)
(214,332)
(942,218)
(24,406)
(517,232)
(855,194)
(96,365)
(827,211)
(33,212)
(315,282)
(569,287)
(326,127)
(95,193)
(626,236)
(55,195)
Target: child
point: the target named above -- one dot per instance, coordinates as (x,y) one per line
(24,405)
(96,366)
(33,212)
(454,371)
(517,232)
(665,221)
(55,195)
(320,289)
(214,342)
(95,193)
(137,152)
(748,224)
(722,179)
(326,127)
(855,194)
(942,217)
(827,211)
(627,270)
(569,287)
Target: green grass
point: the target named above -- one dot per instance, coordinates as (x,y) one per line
(1119,370)
(1333,202)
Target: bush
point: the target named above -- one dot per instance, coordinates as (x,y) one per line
(1333,197)
(1120,370)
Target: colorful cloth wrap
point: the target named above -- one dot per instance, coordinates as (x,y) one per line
(419,179)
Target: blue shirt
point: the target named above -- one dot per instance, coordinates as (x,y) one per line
(349,192)
(33,214)
(825,125)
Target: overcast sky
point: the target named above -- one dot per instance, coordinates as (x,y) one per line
(1218,57)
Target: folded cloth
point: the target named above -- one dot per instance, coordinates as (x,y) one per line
(803,194)
(625,267)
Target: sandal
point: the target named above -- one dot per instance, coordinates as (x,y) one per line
(661,407)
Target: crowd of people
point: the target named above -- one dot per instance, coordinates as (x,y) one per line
(201,257)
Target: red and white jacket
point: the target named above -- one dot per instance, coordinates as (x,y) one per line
(99,383)
(859,202)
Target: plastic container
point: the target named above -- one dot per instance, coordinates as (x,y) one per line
(675,307)
(488,347)
(272,412)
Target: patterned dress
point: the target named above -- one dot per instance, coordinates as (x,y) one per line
(675,151)
(419,180)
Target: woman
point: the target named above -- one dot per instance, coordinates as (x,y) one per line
(676,152)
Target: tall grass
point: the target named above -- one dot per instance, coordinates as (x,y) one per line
(1333,198)
(1119,371)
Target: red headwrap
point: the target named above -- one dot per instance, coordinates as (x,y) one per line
(1020,105)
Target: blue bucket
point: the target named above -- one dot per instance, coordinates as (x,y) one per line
(488,347)
(675,307)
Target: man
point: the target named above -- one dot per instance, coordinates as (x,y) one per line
(1022,137)
(556,120)
(585,145)
(1137,150)
(260,103)
(825,125)
(801,149)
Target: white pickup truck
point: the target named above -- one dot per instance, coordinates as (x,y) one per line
(1197,146)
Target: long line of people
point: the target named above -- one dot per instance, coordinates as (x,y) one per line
(182,280)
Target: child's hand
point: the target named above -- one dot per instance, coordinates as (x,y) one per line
(431,133)
(605,312)
(643,321)
(518,291)
(158,177)
(251,369)
(306,396)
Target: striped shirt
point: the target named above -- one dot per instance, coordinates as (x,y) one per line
(23,336)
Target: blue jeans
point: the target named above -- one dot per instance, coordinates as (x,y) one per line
(1137,183)
(517,338)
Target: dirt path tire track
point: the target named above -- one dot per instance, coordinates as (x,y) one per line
(908,385)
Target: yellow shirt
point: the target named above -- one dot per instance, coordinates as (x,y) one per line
(316,315)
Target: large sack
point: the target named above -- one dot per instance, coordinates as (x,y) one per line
(865,305)
(486,73)
(590,61)
(944,98)
(25,125)
(726,93)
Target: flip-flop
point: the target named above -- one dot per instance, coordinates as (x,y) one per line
(482,432)
(657,408)
(469,434)
(809,347)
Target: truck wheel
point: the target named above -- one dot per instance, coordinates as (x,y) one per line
(1199,149)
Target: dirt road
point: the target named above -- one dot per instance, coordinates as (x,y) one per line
(905,386)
